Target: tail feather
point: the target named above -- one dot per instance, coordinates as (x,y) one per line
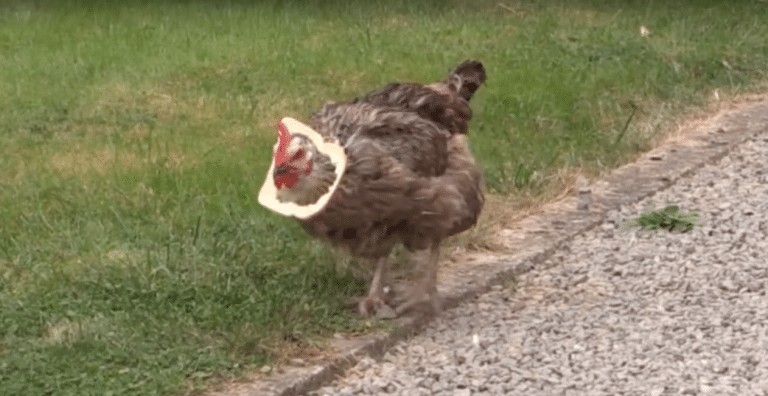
(466,78)
(445,102)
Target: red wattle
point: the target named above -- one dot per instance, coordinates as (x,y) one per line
(287,180)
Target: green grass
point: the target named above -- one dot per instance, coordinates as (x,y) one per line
(134,258)
(669,218)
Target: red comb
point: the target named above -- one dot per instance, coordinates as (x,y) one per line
(283,139)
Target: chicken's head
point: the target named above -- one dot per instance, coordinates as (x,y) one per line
(305,171)
(293,158)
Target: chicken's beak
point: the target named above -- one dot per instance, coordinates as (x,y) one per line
(281,170)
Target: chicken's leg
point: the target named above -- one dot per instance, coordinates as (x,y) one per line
(375,298)
(426,288)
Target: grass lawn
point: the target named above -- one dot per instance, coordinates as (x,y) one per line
(134,258)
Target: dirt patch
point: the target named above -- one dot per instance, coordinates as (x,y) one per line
(679,129)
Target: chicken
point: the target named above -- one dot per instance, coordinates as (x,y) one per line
(409,176)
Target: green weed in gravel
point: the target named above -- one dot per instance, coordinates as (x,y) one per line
(670,218)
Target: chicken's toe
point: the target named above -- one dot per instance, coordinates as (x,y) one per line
(375,306)
(436,303)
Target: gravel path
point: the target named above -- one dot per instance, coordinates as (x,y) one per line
(617,311)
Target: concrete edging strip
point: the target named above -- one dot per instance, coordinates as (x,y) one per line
(535,238)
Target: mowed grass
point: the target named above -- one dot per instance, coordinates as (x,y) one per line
(134,258)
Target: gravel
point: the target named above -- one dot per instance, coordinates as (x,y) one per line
(616,311)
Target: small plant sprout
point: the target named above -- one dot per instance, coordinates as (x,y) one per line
(670,218)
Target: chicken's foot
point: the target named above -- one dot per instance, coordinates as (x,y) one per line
(376,298)
(426,288)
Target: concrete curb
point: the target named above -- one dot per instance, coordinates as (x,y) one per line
(535,238)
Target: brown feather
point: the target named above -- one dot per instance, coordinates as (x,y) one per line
(445,103)
(410,177)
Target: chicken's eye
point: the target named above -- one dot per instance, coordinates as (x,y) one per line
(299,155)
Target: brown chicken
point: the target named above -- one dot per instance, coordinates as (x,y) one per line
(409,177)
